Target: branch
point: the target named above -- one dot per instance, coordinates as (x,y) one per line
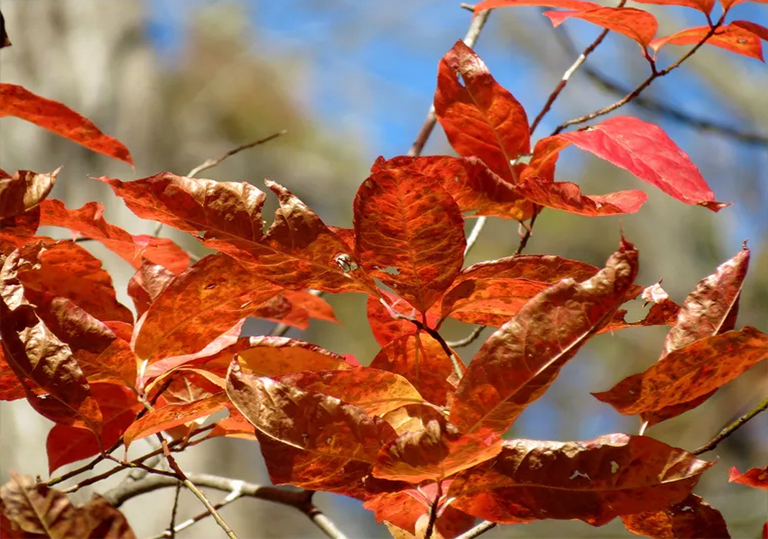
(466,341)
(655,74)
(730,429)
(528,230)
(475,27)
(210,163)
(300,500)
(478,530)
(231,497)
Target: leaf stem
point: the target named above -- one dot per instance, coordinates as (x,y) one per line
(733,427)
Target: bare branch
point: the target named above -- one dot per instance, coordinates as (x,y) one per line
(478,530)
(475,233)
(466,341)
(210,163)
(730,429)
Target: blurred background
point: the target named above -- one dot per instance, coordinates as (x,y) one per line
(182,81)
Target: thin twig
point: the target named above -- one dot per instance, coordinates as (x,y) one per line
(475,233)
(200,516)
(210,163)
(193,488)
(475,27)
(433,511)
(662,108)
(730,429)
(568,73)
(466,341)
(528,230)
(655,74)
(478,530)
(172,526)
(643,426)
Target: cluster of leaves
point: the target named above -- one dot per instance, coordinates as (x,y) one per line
(417,434)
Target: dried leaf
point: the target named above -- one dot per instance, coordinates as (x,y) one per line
(23,191)
(517,363)
(688,373)
(480,118)
(409,233)
(692,518)
(60,119)
(593,481)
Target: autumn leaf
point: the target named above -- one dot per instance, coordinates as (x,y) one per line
(60,119)
(520,360)
(634,23)
(387,328)
(434,453)
(689,372)
(705,6)
(476,190)
(580,5)
(728,4)
(640,148)
(593,481)
(480,118)
(754,477)
(33,508)
(692,517)
(89,221)
(731,37)
(23,191)
(147,283)
(18,230)
(409,233)
(298,251)
(198,305)
(421,360)
(567,196)
(11,388)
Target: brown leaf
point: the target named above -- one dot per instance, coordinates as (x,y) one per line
(298,251)
(480,118)
(89,221)
(409,233)
(23,191)
(692,518)
(421,360)
(593,481)
(60,119)
(5,41)
(688,373)
(36,509)
(517,363)
(754,477)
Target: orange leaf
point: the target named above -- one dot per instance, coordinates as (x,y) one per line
(705,6)
(728,4)
(689,372)
(692,517)
(567,196)
(730,37)
(754,477)
(90,222)
(593,481)
(33,509)
(519,361)
(634,23)
(147,283)
(386,328)
(480,118)
(23,191)
(18,230)
(422,361)
(568,4)
(409,233)
(60,119)
(11,388)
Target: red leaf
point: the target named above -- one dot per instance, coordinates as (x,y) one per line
(730,37)
(568,4)
(567,196)
(35,353)
(634,23)
(728,4)
(34,510)
(298,251)
(434,453)
(60,119)
(147,283)
(198,305)
(593,481)
(490,293)
(647,152)
(692,517)
(118,406)
(705,6)
(90,222)
(67,270)
(481,119)
(11,388)
(234,426)
(758,29)
(375,391)
(386,328)
(23,191)
(688,373)
(517,363)
(754,477)
(409,233)
(309,439)
(173,415)
(422,361)
(18,230)
(476,189)
(311,304)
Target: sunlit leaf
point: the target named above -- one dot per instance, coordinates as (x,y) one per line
(567,196)
(519,361)
(147,283)
(593,481)
(23,191)
(409,233)
(634,23)
(60,119)
(692,517)
(568,4)
(387,328)
(705,6)
(731,37)
(754,477)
